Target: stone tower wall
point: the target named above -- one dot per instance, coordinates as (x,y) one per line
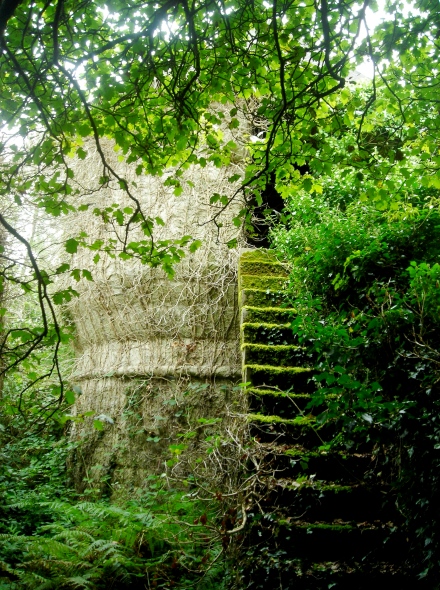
(154,354)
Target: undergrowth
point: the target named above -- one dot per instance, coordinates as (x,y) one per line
(51,537)
(366,284)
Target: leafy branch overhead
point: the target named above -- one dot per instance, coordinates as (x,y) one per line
(159,80)
(147,75)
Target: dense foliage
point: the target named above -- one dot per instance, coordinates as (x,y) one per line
(159,79)
(359,171)
(366,286)
(50,537)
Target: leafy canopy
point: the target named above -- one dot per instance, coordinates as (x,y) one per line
(150,77)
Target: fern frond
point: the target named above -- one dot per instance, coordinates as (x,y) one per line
(48,546)
(98,511)
(49,585)
(64,509)
(73,537)
(58,565)
(33,581)
(78,582)
(100,547)
(7,569)
(12,538)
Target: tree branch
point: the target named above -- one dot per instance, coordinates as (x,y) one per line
(7,10)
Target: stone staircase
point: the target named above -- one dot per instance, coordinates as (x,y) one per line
(320,520)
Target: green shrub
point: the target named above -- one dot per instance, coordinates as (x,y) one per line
(366,285)
(96,545)
(52,538)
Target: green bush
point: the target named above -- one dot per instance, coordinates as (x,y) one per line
(96,545)
(366,285)
(52,538)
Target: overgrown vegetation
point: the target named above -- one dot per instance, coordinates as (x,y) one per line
(178,86)
(359,171)
(365,283)
(51,537)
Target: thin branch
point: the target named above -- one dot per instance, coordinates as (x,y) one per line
(7,11)
(56,24)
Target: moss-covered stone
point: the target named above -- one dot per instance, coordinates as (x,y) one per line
(266,333)
(321,486)
(301,453)
(300,422)
(283,355)
(275,392)
(261,298)
(278,403)
(283,404)
(256,254)
(321,526)
(297,378)
(264,283)
(263,268)
(273,315)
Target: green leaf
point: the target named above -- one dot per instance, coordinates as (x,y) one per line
(69,396)
(307,184)
(98,425)
(87,275)
(62,268)
(97,245)
(81,153)
(234,178)
(76,274)
(71,246)
(195,246)
(64,296)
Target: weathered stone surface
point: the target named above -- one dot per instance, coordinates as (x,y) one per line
(138,330)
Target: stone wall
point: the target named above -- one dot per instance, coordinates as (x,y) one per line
(146,344)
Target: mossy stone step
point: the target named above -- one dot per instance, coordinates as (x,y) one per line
(308,575)
(299,421)
(304,458)
(261,298)
(275,402)
(310,529)
(323,501)
(271,315)
(267,333)
(304,431)
(324,541)
(283,404)
(352,579)
(263,268)
(276,393)
(299,379)
(282,355)
(271,282)
(333,466)
(258,254)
